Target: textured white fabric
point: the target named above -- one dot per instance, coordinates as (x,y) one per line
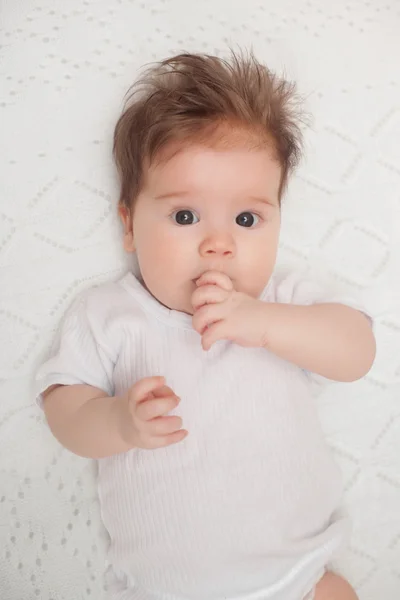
(248,505)
(64,69)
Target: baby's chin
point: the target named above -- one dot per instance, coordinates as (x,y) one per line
(181,301)
(184,302)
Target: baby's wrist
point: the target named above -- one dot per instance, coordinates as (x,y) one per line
(121,422)
(261,316)
(271,323)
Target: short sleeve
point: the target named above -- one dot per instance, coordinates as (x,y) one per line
(80,354)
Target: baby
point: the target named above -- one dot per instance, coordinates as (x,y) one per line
(191,382)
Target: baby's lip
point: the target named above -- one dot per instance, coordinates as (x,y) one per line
(200,276)
(196,279)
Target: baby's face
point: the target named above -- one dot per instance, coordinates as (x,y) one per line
(206,210)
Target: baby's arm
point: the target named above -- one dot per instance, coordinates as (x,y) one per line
(91,424)
(332,340)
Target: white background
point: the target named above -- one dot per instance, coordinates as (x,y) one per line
(64,71)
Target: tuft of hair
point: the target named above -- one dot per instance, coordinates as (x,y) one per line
(198,98)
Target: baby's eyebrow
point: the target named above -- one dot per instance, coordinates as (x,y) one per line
(185,193)
(168,195)
(263,200)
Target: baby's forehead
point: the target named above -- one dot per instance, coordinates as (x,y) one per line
(206,171)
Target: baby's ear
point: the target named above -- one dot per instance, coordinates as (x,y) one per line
(126,218)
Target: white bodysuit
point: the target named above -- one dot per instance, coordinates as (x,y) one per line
(247,506)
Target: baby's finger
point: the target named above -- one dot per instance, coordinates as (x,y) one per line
(156,407)
(164,425)
(208,294)
(215,278)
(206,316)
(214,333)
(168,440)
(162,392)
(146,386)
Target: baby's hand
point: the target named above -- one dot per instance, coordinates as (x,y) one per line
(144,419)
(222,313)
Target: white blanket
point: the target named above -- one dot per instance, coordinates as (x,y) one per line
(65,68)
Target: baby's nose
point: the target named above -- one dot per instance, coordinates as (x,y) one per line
(218,244)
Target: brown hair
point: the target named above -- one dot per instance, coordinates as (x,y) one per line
(197,97)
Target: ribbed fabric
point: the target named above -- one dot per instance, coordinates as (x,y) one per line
(246,507)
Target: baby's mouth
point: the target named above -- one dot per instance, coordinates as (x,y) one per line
(200,276)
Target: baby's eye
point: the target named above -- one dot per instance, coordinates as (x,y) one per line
(185,217)
(247,219)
